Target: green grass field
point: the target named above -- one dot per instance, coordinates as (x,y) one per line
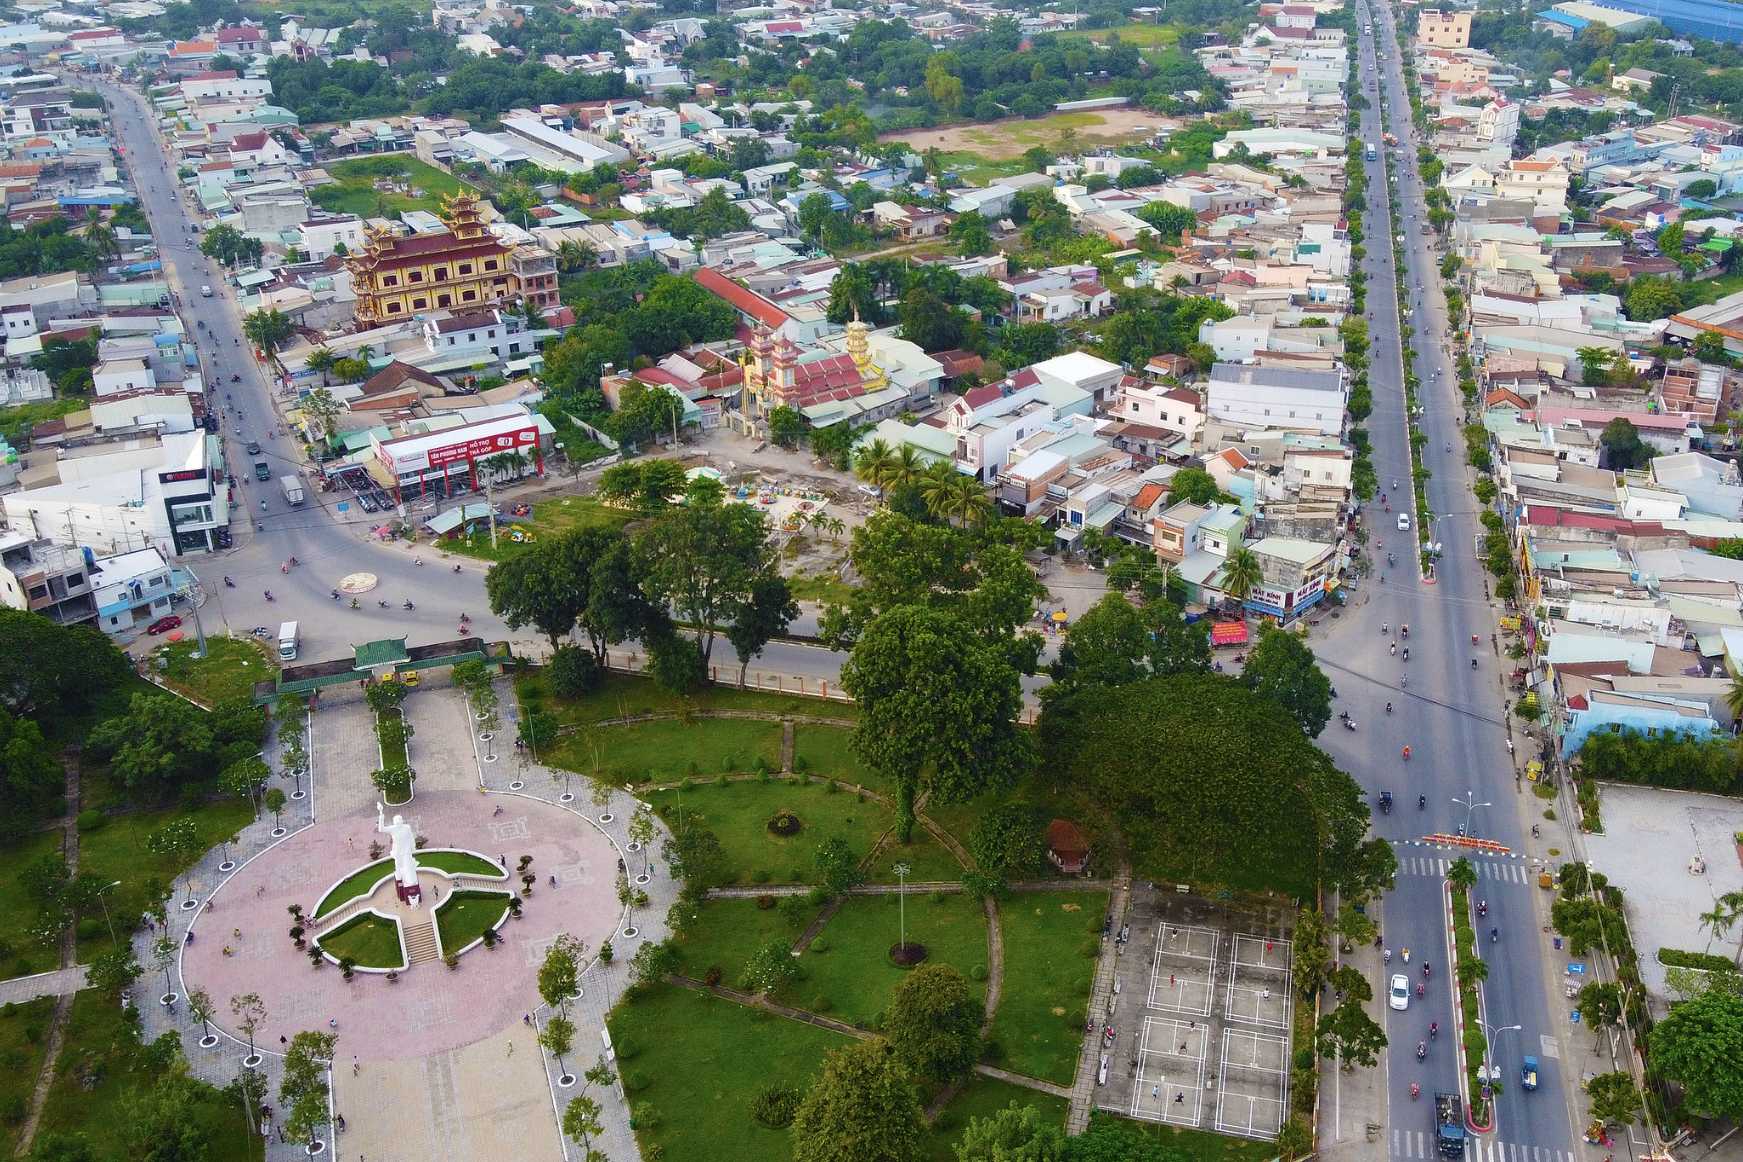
(1143,35)
(738,815)
(23,1046)
(928,861)
(728,931)
(370,940)
(353,190)
(463,917)
(549,517)
(454,862)
(854,971)
(824,750)
(983,1098)
(229,670)
(669,749)
(118,851)
(698,1060)
(22,955)
(623,695)
(358,883)
(1039,1022)
(96,1076)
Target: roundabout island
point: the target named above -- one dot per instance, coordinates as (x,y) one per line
(432,948)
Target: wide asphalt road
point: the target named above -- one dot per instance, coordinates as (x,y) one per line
(1450,714)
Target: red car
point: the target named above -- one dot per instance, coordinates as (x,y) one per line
(164,624)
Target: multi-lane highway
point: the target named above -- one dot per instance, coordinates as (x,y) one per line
(1452,715)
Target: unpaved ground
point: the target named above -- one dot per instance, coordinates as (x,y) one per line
(1001,140)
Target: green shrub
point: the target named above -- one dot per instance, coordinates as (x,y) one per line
(1083,986)
(978,972)
(819,946)
(761,876)
(636,1080)
(90,820)
(629,1047)
(819,895)
(90,928)
(765,902)
(1089,949)
(646,1117)
(821,1004)
(795,876)
(935,896)
(1677,958)
(799,764)
(775,1106)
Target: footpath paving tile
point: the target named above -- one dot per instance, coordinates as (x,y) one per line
(441,746)
(343,757)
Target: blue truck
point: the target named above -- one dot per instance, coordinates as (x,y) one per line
(1528,1073)
(1449,1124)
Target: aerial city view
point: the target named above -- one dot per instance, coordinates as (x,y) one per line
(871,581)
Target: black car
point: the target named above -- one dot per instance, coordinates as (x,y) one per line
(254,447)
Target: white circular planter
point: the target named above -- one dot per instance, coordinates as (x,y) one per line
(315,1148)
(486,736)
(227,865)
(489,758)
(168,999)
(209,1040)
(632,845)
(277,833)
(566,1081)
(190,904)
(643,878)
(516,785)
(298,794)
(606,817)
(252,1061)
(566,797)
(630,933)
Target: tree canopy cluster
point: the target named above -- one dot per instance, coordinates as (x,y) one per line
(1206,778)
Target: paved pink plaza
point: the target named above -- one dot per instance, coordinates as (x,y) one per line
(431,1008)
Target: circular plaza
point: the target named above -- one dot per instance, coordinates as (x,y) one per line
(471,864)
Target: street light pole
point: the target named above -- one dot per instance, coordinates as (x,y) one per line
(901,871)
(1470,805)
(106,918)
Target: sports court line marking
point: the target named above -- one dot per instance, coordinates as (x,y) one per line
(1187,958)
(1168,1083)
(1254,1115)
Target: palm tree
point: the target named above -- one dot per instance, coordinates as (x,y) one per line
(1734,696)
(573,256)
(1717,923)
(485,473)
(937,488)
(321,359)
(1461,874)
(905,468)
(1241,573)
(873,461)
(969,502)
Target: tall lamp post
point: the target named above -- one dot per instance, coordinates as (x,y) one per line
(1470,805)
(106,918)
(1488,1073)
(902,871)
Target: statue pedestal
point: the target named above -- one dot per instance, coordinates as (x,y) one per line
(409,894)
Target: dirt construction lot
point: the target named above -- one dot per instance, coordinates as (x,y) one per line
(1002,140)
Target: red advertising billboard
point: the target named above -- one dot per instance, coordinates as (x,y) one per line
(482,446)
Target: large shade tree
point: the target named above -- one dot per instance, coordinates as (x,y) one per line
(861,1109)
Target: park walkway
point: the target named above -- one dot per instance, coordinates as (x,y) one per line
(1101,994)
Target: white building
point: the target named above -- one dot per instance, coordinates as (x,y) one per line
(1252,398)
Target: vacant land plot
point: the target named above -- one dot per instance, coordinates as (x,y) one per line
(229,670)
(621,696)
(1051,939)
(407,184)
(548,519)
(1143,35)
(1002,140)
(698,1060)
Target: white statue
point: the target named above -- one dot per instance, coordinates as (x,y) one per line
(405,852)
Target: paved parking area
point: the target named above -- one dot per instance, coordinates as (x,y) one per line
(1650,838)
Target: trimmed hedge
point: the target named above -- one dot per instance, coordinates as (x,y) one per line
(1677,958)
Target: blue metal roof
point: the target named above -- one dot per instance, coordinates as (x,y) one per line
(1577,23)
(1713,19)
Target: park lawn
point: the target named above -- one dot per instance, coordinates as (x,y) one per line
(358,195)
(21,954)
(669,749)
(455,862)
(1039,1023)
(624,695)
(359,883)
(928,861)
(1203,1146)
(548,518)
(982,1098)
(370,940)
(826,751)
(463,917)
(854,970)
(96,1074)
(738,815)
(117,851)
(824,585)
(23,1045)
(229,670)
(726,932)
(702,1059)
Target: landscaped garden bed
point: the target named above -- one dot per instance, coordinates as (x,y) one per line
(464,917)
(367,940)
(1038,1029)
(460,862)
(358,883)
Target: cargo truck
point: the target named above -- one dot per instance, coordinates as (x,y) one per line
(1449,1121)
(262,470)
(293,488)
(1528,1073)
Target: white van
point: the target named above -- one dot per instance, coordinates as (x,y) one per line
(287,642)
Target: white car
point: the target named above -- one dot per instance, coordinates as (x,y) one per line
(205,292)
(1398,996)
(1403,522)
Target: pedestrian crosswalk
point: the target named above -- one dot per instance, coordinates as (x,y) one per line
(1509,871)
(1420,1144)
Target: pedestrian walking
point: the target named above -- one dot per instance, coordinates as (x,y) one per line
(1153,1091)
(1170,980)
(282,1039)
(356,1066)
(511,1048)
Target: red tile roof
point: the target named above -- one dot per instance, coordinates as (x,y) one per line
(747,301)
(1148,495)
(1065,839)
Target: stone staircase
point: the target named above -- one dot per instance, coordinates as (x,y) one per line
(420,941)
